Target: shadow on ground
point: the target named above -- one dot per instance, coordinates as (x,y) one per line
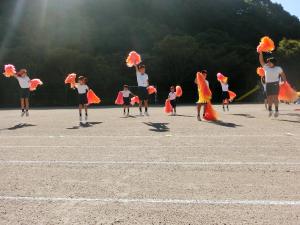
(184,115)
(84,125)
(244,115)
(290,121)
(20,126)
(158,127)
(225,124)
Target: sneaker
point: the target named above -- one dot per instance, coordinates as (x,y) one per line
(198,118)
(224,109)
(146,114)
(86,118)
(80,119)
(175,114)
(27,113)
(141,114)
(22,113)
(128,114)
(276,114)
(270,113)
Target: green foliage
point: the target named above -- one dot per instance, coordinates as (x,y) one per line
(176,38)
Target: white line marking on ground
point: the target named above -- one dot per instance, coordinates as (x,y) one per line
(157,201)
(172,163)
(144,136)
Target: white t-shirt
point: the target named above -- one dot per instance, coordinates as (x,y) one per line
(224,87)
(24,82)
(272,74)
(126,94)
(82,89)
(142,80)
(172,95)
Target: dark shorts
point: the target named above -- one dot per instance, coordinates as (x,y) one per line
(126,101)
(225,95)
(24,93)
(173,103)
(143,93)
(82,99)
(272,88)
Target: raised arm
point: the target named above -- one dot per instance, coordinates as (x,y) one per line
(136,68)
(261,59)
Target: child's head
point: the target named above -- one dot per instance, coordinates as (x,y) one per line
(142,68)
(172,89)
(204,73)
(22,73)
(125,87)
(271,62)
(82,80)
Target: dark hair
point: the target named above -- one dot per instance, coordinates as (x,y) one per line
(82,78)
(141,66)
(272,60)
(203,71)
(125,86)
(172,87)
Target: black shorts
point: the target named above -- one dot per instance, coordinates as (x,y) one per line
(82,99)
(272,88)
(126,101)
(143,93)
(225,95)
(24,93)
(173,103)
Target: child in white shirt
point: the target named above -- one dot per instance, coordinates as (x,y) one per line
(172,98)
(24,82)
(126,99)
(82,89)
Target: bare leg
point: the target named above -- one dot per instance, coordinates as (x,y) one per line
(27,104)
(22,100)
(198,111)
(146,105)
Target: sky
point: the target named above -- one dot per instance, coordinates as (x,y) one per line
(292,6)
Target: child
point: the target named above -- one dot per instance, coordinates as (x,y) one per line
(82,89)
(225,95)
(24,82)
(201,101)
(126,98)
(273,73)
(172,98)
(143,83)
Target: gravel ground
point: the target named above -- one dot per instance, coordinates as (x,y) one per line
(244,169)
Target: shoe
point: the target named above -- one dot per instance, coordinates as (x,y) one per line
(80,119)
(27,113)
(198,118)
(141,114)
(276,114)
(227,108)
(128,114)
(175,114)
(86,118)
(146,114)
(22,113)
(223,109)
(270,113)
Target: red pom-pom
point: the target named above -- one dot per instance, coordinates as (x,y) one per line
(71,79)
(9,70)
(119,100)
(133,59)
(266,45)
(222,78)
(287,93)
(178,91)
(260,71)
(210,114)
(232,95)
(34,83)
(204,91)
(92,97)
(151,90)
(134,100)
(168,106)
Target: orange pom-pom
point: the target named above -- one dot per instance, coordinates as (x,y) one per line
(133,59)
(178,91)
(151,90)
(135,100)
(260,71)
(210,114)
(222,78)
(203,89)
(119,100)
(168,106)
(266,45)
(287,93)
(92,97)
(9,70)
(232,95)
(34,83)
(71,79)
